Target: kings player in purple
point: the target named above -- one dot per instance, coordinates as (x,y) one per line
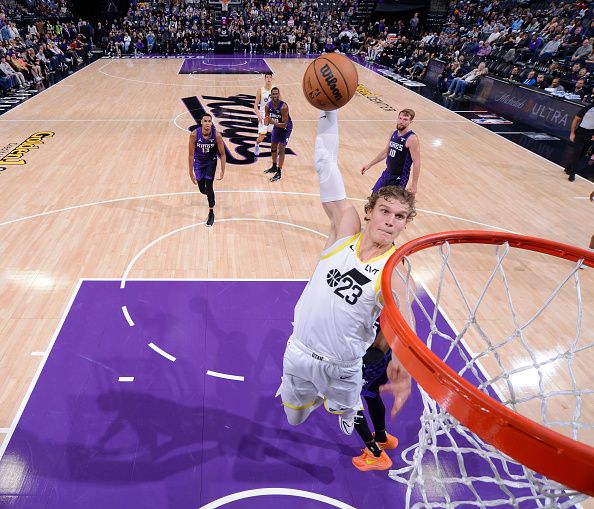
(277,115)
(205,145)
(402,155)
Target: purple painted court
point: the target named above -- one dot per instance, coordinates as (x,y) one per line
(177,436)
(224,65)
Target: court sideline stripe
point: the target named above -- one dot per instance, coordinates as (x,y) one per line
(25,400)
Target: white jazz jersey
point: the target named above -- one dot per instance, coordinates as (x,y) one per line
(336,312)
(264,99)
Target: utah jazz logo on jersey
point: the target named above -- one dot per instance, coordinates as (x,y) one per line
(348,286)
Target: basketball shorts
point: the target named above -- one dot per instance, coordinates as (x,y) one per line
(263,128)
(280,136)
(205,170)
(388,178)
(307,375)
(374,376)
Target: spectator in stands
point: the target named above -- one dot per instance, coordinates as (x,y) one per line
(7,69)
(583,52)
(534,46)
(550,48)
(514,75)
(345,39)
(575,69)
(459,85)
(555,86)
(496,34)
(540,81)
(579,88)
(553,70)
(414,24)
(530,78)
(470,47)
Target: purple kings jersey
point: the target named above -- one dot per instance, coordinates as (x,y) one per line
(276,115)
(399,159)
(206,148)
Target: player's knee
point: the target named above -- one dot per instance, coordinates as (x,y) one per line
(295,417)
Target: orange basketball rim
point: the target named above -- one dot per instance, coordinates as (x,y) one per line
(541,449)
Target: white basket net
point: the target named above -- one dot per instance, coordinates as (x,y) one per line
(521,329)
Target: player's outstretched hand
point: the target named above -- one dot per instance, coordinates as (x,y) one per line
(194,181)
(364,168)
(399,384)
(221,175)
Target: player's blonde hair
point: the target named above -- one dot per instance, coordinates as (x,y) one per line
(393,193)
(408,112)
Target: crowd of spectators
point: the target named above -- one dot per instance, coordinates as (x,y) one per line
(40,43)
(264,27)
(525,41)
(543,44)
(547,45)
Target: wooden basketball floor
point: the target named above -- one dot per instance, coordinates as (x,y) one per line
(104,193)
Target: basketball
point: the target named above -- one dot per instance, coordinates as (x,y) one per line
(330,81)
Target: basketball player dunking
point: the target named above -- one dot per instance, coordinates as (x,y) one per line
(334,318)
(277,115)
(262,99)
(205,144)
(401,153)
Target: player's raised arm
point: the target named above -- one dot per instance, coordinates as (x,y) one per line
(344,219)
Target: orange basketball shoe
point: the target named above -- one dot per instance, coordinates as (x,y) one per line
(390,443)
(367,461)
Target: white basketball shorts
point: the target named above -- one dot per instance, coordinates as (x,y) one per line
(263,128)
(307,375)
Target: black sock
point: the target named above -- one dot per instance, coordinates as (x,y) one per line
(380,436)
(377,412)
(374,448)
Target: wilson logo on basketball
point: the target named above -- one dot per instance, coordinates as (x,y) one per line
(331,80)
(16,154)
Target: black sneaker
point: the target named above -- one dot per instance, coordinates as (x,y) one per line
(272,169)
(571,177)
(210,220)
(276,176)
